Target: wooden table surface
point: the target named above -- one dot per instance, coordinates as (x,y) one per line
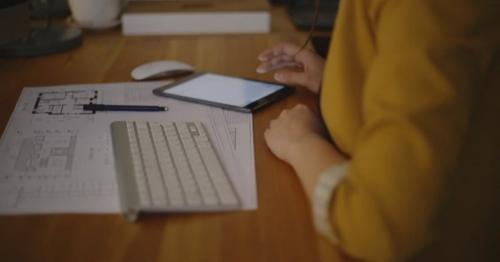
(280,230)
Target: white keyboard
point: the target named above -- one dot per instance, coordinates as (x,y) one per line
(169,166)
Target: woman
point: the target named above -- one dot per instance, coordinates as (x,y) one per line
(408,97)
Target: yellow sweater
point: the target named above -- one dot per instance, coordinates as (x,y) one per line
(411,93)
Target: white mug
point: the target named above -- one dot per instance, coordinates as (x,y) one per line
(97,14)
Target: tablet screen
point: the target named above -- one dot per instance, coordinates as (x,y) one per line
(224,89)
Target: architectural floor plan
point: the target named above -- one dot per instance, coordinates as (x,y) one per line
(47,153)
(64,102)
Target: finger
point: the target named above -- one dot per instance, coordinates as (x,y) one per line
(278,62)
(287,48)
(268,54)
(280,59)
(273,63)
(304,55)
(267,67)
(293,50)
(293,78)
(279,49)
(283,113)
(299,107)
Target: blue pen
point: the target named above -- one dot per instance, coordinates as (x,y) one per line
(140,108)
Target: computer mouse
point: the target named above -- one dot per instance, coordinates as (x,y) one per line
(161,69)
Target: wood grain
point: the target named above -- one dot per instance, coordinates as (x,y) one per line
(280,230)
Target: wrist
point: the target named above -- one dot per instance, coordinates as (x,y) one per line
(310,156)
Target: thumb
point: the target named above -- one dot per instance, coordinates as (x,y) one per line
(292,78)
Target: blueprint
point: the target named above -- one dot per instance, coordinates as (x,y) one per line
(57,158)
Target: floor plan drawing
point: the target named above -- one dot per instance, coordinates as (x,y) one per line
(68,102)
(46,153)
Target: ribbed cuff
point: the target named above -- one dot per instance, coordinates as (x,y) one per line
(322,198)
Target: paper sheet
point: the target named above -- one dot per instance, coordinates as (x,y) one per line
(57,158)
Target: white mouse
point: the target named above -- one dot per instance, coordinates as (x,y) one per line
(163,68)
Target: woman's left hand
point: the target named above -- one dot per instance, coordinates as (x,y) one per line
(298,137)
(291,128)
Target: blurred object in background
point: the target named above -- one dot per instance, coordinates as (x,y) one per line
(321,44)
(302,13)
(18,38)
(97,14)
(14,20)
(280,2)
(59,8)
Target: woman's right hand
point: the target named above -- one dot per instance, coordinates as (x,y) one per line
(304,68)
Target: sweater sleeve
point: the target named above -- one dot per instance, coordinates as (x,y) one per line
(417,99)
(323,194)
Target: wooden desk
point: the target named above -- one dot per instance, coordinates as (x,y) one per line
(280,230)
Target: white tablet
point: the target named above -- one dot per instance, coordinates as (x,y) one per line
(228,92)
